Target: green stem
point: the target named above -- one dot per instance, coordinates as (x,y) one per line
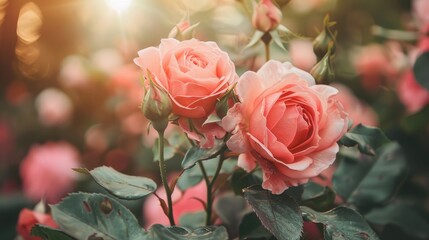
(163,171)
(267,51)
(266,39)
(210,185)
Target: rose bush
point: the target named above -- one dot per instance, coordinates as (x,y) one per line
(195,75)
(286,123)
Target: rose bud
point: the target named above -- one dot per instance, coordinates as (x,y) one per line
(323,72)
(156,105)
(183,30)
(322,41)
(266,16)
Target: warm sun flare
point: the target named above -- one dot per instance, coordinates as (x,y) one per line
(119,5)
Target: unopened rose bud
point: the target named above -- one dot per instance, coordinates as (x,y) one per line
(323,72)
(321,42)
(156,105)
(183,30)
(266,16)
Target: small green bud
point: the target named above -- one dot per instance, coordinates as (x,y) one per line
(156,105)
(323,71)
(321,42)
(222,106)
(183,30)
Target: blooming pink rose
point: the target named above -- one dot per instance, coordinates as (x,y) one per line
(183,202)
(47,171)
(266,16)
(286,123)
(357,111)
(195,75)
(28,219)
(54,107)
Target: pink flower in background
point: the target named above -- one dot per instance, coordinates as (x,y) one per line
(411,94)
(266,16)
(194,74)
(357,111)
(46,171)
(28,219)
(183,202)
(74,72)
(373,64)
(302,54)
(286,124)
(421,10)
(54,107)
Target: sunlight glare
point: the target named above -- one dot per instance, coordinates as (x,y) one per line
(119,5)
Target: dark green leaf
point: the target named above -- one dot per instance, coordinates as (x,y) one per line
(367,138)
(48,233)
(317,197)
(341,223)
(193,220)
(230,209)
(121,185)
(195,154)
(251,228)
(403,216)
(180,233)
(241,179)
(370,181)
(280,214)
(86,216)
(421,70)
(169,151)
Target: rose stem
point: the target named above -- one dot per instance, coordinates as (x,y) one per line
(266,39)
(163,171)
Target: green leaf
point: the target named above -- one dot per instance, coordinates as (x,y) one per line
(195,154)
(121,185)
(421,70)
(193,220)
(180,233)
(280,214)
(87,216)
(277,40)
(48,233)
(341,223)
(230,209)
(169,151)
(241,179)
(404,216)
(251,228)
(320,198)
(367,138)
(368,181)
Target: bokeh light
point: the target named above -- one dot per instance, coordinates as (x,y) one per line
(3,4)
(29,23)
(119,5)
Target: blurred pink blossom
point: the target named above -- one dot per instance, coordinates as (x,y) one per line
(266,16)
(302,54)
(74,72)
(28,219)
(373,64)
(411,94)
(183,202)
(358,111)
(421,10)
(96,138)
(54,107)
(46,171)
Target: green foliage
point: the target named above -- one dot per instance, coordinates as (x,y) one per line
(169,151)
(241,179)
(404,216)
(193,220)
(230,209)
(48,233)
(121,185)
(317,197)
(195,154)
(179,233)
(368,181)
(341,223)
(421,70)
(87,216)
(280,214)
(367,138)
(252,228)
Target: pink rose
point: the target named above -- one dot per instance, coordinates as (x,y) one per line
(266,16)
(286,124)
(301,54)
(46,171)
(183,202)
(195,75)
(357,111)
(421,10)
(28,219)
